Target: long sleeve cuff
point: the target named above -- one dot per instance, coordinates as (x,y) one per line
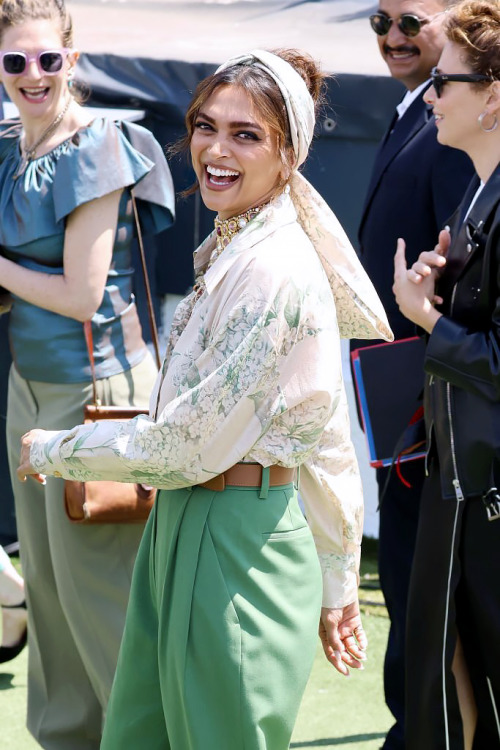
(340,579)
(43,460)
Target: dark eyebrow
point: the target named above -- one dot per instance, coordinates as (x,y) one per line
(236,124)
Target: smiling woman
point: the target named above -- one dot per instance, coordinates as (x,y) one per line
(231,581)
(234,154)
(453,293)
(34,70)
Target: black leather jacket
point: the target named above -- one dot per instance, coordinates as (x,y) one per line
(462,361)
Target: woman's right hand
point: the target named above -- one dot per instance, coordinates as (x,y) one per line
(25,469)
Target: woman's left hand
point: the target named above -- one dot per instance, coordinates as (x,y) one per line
(343,638)
(25,468)
(414,292)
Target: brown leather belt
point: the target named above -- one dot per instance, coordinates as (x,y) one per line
(249,475)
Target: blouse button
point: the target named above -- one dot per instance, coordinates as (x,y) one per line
(469,248)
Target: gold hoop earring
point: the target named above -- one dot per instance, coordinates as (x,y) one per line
(480,121)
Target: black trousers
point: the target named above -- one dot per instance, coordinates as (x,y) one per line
(399,510)
(454,589)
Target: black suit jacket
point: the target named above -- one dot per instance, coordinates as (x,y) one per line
(415,187)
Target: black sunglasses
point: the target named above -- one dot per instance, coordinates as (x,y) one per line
(408,24)
(49,62)
(440,79)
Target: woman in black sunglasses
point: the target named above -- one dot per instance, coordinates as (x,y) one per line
(65,257)
(453,293)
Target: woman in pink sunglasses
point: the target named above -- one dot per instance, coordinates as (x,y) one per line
(65,257)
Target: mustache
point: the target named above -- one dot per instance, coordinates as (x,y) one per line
(401,48)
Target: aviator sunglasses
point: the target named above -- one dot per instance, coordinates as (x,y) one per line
(49,61)
(440,79)
(408,24)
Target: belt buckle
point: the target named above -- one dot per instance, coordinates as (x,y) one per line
(216,484)
(219,483)
(491,500)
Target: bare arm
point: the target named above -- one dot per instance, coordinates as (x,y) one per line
(88,245)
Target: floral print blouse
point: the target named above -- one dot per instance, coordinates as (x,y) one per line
(252,373)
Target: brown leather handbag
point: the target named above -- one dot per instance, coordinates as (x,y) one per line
(102,501)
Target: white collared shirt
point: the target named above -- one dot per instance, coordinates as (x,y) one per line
(474,198)
(252,373)
(409,98)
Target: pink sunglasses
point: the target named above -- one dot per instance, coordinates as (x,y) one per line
(49,61)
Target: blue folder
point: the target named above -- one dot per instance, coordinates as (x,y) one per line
(389,380)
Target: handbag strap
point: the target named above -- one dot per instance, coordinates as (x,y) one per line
(151,312)
(87,325)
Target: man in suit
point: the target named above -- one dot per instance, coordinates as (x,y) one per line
(415,185)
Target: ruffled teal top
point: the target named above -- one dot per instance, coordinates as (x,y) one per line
(98,159)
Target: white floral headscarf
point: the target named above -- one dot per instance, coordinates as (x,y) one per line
(353,291)
(298,101)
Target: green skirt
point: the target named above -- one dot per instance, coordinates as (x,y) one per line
(222,624)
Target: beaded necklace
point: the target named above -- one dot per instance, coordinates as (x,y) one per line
(225,230)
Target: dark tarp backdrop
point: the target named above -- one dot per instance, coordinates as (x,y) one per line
(354,119)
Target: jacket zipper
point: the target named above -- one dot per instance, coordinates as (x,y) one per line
(429,433)
(456,482)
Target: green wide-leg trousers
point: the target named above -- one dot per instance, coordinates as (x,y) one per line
(222,624)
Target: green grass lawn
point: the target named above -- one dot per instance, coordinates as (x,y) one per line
(337,712)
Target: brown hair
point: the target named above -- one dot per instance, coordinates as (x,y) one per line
(474,26)
(16,12)
(264,94)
